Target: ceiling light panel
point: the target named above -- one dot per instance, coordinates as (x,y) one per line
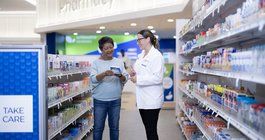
(102,27)
(133,24)
(170,20)
(150,27)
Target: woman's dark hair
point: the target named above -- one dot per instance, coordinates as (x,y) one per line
(147,33)
(103,41)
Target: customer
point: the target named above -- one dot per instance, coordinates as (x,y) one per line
(147,74)
(125,59)
(107,90)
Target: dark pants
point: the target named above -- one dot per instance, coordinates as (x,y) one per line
(150,119)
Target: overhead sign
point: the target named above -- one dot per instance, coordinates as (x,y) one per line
(70,14)
(76,5)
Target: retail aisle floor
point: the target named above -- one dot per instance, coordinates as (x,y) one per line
(131,127)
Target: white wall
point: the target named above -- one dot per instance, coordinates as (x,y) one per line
(18,27)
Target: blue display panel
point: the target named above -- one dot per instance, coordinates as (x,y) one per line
(168,83)
(19,95)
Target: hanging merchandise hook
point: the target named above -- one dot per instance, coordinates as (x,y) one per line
(217,114)
(261,25)
(228,123)
(237,82)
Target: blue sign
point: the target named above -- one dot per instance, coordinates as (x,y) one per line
(20,89)
(168,83)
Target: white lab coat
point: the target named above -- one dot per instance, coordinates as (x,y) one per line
(150,72)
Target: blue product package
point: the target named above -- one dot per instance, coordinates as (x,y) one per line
(116,70)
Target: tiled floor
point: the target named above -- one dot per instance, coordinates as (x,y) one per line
(131,127)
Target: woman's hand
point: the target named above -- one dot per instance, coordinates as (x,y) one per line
(108,73)
(133,79)
(132,72)
(104,74)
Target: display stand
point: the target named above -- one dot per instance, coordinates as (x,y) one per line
(22,92)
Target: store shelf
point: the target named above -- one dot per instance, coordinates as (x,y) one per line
(59,75)
(68,123)
(242,76)
(220,8)
(246,32)
(185,52)
(84,133)
(201,128)
(196,122)
(230,116)
(185,112)
(181,127)
(186,92)
(187,73)
(65,98)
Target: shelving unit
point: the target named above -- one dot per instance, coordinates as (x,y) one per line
(250,31)
(207,18)
(192,119)
(84,133)
(244,33)
(187,73)
(70,91)
(181,127)
(242,76)
(59,75)
(65,98)
(186,92)
(202,129)
(59,130)
(225,113)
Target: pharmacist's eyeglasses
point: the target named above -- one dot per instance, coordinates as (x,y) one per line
(139,39)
